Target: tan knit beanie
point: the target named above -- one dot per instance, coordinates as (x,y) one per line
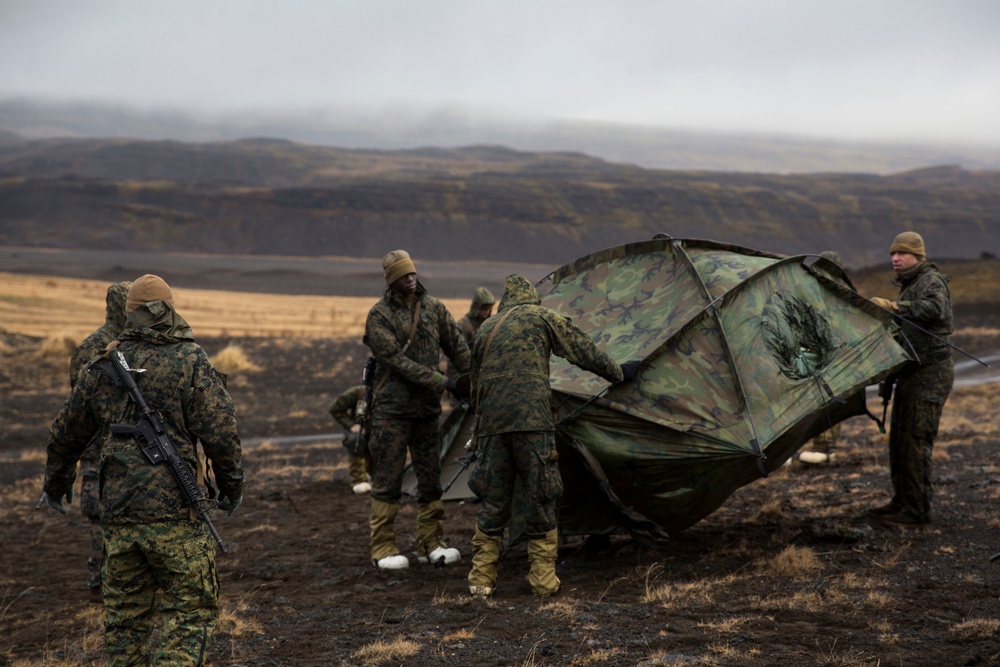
(910,242)
(145,289)
(397,264)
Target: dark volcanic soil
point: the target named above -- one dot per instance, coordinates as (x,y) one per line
(788,572)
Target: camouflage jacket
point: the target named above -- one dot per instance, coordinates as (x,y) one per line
(925,299)
(413,382)
(180,382)
(513,385)
(343,407)
(114,320)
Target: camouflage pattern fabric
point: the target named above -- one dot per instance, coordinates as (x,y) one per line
(528,457)
(925,300)
(415,384)
(390,439)
(921,389)
(114,321)
(343,408)
(176,558)
(917,403)
(512,388)
(470,323)
(746,356)
(344,412)
(150,539)
(182,384)
(92,345)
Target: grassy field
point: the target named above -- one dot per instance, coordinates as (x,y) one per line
(50,306)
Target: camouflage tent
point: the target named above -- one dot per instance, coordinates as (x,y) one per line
(747,355)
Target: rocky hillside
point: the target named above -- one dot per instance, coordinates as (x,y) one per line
(264,196)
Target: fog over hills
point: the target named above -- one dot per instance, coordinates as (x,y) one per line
(654,148)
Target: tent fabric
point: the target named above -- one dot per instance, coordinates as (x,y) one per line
(747,355)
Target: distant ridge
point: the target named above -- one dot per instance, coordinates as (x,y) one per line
(266,196)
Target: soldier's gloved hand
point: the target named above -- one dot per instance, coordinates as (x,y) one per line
(55,501)
(229,506)
(630,369)
(458,388)
(884,303)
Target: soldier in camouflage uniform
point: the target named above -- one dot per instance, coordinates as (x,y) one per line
(153,542)
(479,310)
(406,407)
(516,429)
(114,319)
(344,411)
(922,387)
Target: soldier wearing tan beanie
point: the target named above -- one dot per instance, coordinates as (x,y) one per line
(407,331)
(923,311)
(397,264)
(146,289)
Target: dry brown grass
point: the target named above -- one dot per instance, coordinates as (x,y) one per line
(395,650)
(232,359)
(793,561)
(39,305)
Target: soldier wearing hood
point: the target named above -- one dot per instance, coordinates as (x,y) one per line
(479,310)
(406,331)
(923,386)
(516,428)
(114,321)
(154,547)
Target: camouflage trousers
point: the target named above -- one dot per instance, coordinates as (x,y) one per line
(390,439)
(917,403)
(176,559)
(528,457)
(90,506)
(826,441)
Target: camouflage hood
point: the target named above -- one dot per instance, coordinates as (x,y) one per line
(114,315)
(482,297)
(518,291)
(746,355)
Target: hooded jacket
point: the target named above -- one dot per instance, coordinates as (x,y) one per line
(925,299)
(180,382)
(512,383)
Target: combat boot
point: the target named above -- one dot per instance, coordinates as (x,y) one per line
(385,554)
(542,554)
(430,534)
(359,476)
(483,575)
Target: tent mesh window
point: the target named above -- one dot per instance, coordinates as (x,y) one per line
(798,336)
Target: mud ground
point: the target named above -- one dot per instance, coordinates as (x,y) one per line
(788,572)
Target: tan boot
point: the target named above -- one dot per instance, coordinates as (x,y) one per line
(356,469)
(542,554)
(383,538)
(430,536)
(483,575)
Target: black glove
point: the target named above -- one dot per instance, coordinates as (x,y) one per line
(630,369)
(459,388)
(54,500)
(229,506)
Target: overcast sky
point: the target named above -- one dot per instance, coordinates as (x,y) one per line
(855,69)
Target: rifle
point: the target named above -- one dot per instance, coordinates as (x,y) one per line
(463,464)
(885,391)
(361,410)
(995,557)
(153,440)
